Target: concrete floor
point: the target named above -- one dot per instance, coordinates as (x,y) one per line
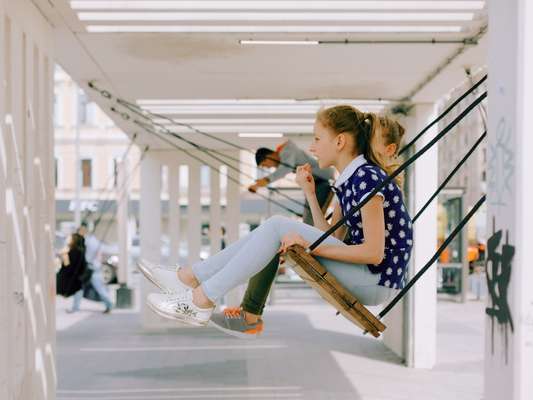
(305,353)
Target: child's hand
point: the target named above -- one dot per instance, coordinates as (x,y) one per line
(290,239)
(304,178)
(287,241)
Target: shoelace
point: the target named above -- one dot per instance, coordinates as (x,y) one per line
(177,298)
(232,312)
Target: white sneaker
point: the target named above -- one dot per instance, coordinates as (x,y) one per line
(165,278)
(179,307)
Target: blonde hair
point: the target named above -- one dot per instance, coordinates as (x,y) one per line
(392,132)
(363,126)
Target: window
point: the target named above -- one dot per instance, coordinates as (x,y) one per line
(83,101)
(86,173)
(91,111)
(87,110)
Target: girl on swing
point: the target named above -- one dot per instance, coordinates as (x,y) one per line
(371,264)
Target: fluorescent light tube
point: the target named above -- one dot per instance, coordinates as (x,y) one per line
(272,16)
(260,135)
(147,102)
(273,29)
(229,121)
(275,5)
(280,42)
(246,102)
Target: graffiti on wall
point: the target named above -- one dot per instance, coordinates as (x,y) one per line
(499,266)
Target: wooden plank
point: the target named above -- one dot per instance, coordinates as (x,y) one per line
(317,276)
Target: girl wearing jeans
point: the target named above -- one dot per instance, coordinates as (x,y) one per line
(373,263)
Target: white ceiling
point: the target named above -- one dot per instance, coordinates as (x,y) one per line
(208,66)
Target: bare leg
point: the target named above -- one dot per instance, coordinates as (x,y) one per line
(186,276)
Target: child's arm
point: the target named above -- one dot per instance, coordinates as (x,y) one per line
(336,217)
(373,248)
(304,178)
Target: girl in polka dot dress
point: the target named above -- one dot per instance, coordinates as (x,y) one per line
(371,263)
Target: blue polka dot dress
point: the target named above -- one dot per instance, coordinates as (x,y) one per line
(355,183)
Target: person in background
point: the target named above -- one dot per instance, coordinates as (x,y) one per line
(73,266)
(93,248)
(285,159)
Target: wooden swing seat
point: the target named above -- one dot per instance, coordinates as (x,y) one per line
(317,276)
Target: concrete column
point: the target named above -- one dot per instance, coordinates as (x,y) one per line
(48,166)
(465,271)
(194,214)
(122,221)
(509,312)
(26,205)
(31,212)
(215,234)
(411,326)
(150,230)
(4,286)
(232,219)
(174,211)
(17,255)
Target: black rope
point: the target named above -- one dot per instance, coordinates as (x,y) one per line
(450,176)
(443,114)
(176,146)
(404,166)
(435,257)
(107,206)
(105,190)
(207,151)
(482,110)
(139,111)
(162,137)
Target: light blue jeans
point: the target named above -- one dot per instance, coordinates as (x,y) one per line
(98,284)
(241,260)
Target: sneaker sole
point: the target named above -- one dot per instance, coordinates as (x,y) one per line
(148,275)
(174,317)
(240,335)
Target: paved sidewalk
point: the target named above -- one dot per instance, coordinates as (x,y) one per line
(305,353)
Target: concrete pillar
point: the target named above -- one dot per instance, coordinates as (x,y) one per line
(27,324)
(232,220)
(4,175)
(17,259)
(509,312)
(122,221)
(150,230)
(30,212)
(194,214)
(174,211)
(48,284)
(215,234)
(465,271)
(411,325)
